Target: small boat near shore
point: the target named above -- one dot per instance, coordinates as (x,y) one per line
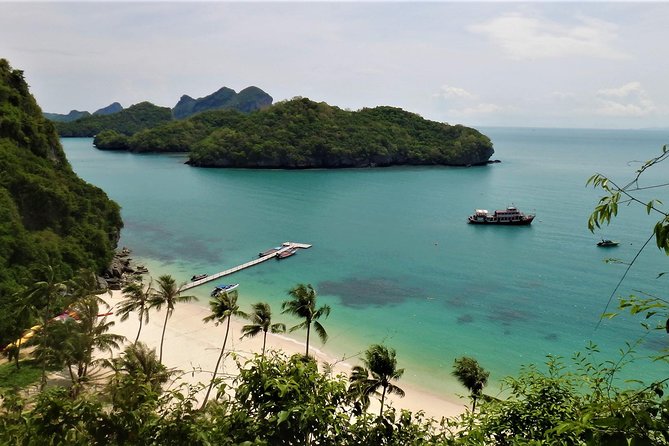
(607,243)
(510,216)
(219,289)
(286,253)
(198,277)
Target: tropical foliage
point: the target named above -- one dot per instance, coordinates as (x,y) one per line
(167,294)
(379,370)
(303,306)
(471,375)
(137,299)
(261,322)
(223,307)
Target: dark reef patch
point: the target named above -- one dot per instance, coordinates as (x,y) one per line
(465,319)
(358,292)
(507,316)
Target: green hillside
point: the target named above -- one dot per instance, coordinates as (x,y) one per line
(48,216)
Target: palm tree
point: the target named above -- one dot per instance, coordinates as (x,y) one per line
(138,377)
(471,375)
(91,334)
(223,307)
(381,364)
(23,316)
(303,305)
(140,362)
(137,298)
(167,294)
(261,319)
(46,294)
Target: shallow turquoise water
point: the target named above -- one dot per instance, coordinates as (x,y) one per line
(392,253)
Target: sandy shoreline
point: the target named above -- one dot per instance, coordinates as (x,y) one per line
(192,347)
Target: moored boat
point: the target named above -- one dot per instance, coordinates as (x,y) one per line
(286,253)
(607,243)
(225,288)
(197,277)
(510,216)
(269,251)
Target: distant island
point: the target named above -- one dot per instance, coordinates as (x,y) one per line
(73,115)
(146,115)
(301,133)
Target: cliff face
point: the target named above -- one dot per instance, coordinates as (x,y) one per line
(48,216)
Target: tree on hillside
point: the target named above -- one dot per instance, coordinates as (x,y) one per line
(223,307)
(379,370)
(303,305)
(167,294)
(261,321)
(47,294)
(138,376)
(137,298)
(471,375)
(23,315)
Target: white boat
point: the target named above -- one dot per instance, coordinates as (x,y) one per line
(220,289)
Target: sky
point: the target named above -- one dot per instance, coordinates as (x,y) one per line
(525,64)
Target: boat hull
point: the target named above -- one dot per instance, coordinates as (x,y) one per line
(523,222)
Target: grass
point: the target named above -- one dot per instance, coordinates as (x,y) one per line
(11,378)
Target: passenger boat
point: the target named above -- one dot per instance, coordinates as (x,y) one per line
(286,253)
(198,277)
(219,289)
(607,243)
(510,216)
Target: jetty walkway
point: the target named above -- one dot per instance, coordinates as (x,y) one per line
(284,247)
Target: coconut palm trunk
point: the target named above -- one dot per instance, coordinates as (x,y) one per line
(162,336)
(140,329)
(218,363)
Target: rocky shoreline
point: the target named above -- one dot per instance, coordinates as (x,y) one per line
(121,270)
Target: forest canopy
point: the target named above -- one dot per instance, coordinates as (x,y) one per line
(301,133)
(48,215)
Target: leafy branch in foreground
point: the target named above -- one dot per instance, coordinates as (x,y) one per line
(607,209)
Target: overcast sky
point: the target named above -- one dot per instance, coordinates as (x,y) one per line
(538,64)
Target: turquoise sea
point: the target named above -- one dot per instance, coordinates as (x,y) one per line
(392,253)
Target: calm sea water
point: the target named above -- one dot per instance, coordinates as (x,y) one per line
(392,254)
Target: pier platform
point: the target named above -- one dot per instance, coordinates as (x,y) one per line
(284,247)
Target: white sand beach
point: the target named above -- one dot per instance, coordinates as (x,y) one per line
(192,346)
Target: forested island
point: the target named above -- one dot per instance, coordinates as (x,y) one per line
(301,133)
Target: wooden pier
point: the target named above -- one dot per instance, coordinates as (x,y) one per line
(284,247)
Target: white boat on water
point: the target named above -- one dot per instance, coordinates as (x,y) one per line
(220,289)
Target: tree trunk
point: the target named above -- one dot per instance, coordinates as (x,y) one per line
(308,332)
(162,338)
(383,399)
(264,341)
(18,353)
(220,356)
(141,320)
